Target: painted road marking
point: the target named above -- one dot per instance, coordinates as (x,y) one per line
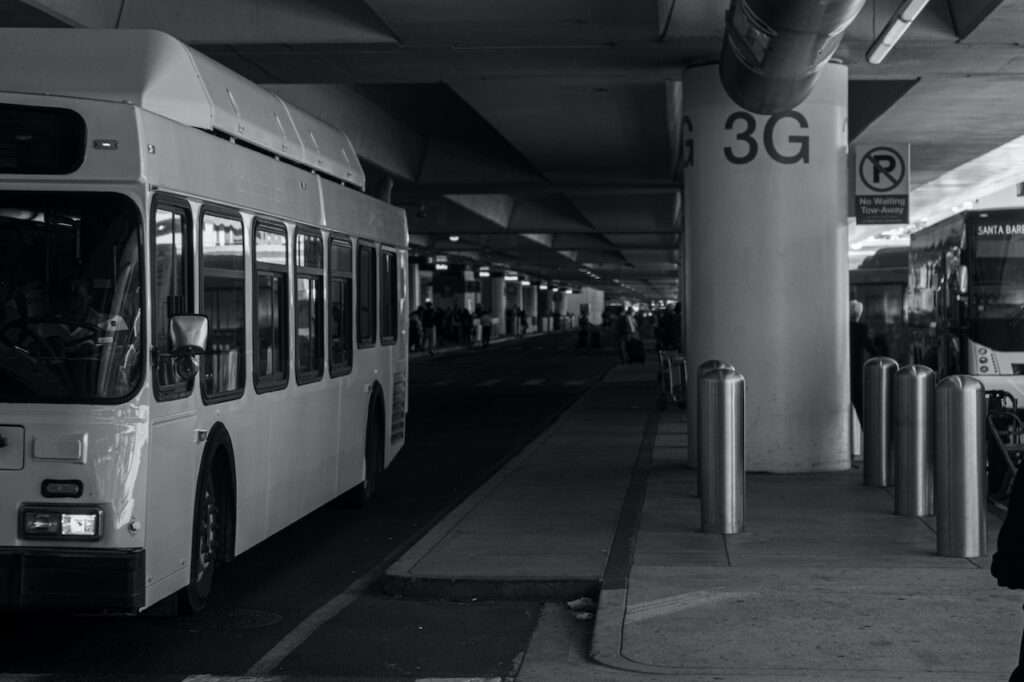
(680,602)
(534,382)
(273,678)
(294,639)
(489,382)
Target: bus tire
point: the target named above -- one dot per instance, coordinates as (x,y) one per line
(208,528)
(361,495)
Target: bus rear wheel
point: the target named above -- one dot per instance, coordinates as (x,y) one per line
(206,531)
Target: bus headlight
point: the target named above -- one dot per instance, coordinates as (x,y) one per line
(61,523)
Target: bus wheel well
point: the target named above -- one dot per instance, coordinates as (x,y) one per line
(375,425)
(219,457)
(373,453)
(376,409)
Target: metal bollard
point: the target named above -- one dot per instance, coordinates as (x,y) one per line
(879,373)
(913,423)
(722,473)
(693,446)
(960,522)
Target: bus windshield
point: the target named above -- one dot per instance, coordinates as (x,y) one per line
(997,292)
(70,287)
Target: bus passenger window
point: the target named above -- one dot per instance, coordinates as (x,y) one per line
(366,296)
(222,266)
(388,297)
(271,323)
(171,293)
(340,302)
(309,303)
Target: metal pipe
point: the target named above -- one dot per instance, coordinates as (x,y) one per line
(879,374)
(913,445)
(960,522)
(774,50)
(722,481)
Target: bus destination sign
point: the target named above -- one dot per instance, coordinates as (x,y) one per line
(999,229)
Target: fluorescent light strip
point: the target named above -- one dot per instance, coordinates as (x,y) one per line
(894,29)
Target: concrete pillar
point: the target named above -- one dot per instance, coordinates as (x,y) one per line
(496,303)
(515,302)
(530,306)
(561,304)
(427,285)
(544,309)
(414,285)
(766,265)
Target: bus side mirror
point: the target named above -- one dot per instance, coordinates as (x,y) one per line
(189,335)
(962,279)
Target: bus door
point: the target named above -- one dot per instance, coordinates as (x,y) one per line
(174,447)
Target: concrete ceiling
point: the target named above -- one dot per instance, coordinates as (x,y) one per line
(545,133)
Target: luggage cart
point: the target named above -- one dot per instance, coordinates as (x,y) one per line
(671,378)
(1005,440)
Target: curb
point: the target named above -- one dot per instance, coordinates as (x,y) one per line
(609,623)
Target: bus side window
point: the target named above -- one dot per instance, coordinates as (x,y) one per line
(222,267)
(388,297)
(366,295)
(172,292)
(270,326)
(309,305)
(340,302)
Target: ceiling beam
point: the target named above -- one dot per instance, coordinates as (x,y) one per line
(230,21)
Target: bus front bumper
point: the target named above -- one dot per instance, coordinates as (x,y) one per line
(72,579)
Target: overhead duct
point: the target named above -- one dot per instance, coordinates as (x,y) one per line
(774,50)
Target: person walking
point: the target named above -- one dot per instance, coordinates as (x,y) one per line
(416,330)
(485,326)
(1008,561)
(861,348)
(429,322)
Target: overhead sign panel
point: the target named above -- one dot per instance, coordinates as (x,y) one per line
(882,184)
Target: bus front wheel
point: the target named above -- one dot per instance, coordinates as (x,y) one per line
(205,546)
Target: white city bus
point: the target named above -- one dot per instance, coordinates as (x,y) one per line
(204,322)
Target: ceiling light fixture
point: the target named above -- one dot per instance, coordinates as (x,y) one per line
(453,237)
(894,29)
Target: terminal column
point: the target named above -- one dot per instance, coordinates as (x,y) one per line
(766,264)
(530,305)
(496,303)
(515,303)
(561,309)
(414,286)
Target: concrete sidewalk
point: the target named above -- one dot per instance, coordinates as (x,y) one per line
(825,582)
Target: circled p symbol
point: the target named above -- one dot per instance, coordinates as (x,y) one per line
(882,169)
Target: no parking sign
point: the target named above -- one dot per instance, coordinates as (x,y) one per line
(882,181)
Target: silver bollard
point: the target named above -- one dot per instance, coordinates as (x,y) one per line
(879,373)
(960,521)
(913,423)
(722,472)
(693,445)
